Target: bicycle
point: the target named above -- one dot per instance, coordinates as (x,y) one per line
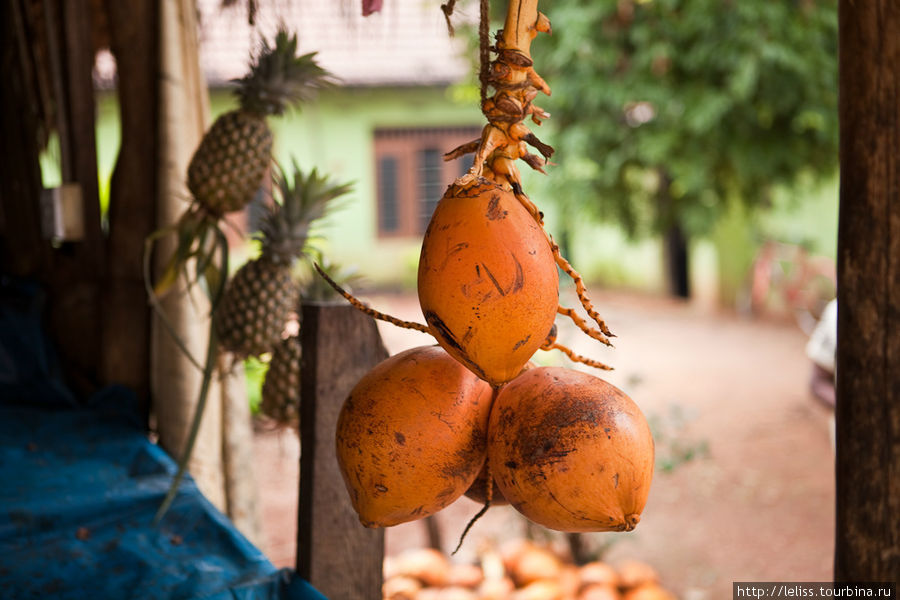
(786,280)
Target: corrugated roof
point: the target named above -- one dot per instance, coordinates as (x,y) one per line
(407,43)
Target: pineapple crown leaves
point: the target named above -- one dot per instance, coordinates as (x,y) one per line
(279,78)
(305,198)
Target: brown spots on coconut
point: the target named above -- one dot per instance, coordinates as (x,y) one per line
(420,418)
(484,254)
(570,451)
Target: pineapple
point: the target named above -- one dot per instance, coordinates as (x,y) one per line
(228,167)
(281,388)
(255,306)
(258,300)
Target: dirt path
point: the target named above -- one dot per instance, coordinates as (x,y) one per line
(756,503)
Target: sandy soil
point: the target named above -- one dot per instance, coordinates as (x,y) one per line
(756,501)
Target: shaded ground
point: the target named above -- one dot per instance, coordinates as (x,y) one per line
(756,503)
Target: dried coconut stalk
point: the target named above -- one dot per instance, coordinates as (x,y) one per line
(506,138)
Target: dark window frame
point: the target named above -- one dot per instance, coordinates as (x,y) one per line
(388,211)
(417,189)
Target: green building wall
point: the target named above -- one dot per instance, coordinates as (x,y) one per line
(337,135)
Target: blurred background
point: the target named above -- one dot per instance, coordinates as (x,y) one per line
(694,186)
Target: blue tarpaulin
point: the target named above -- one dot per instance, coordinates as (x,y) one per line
(80,484)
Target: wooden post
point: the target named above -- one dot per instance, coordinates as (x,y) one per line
(125,339)
(867,545)
(335,553)
(70,274)
(23,252)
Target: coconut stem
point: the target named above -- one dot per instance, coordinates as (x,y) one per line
(582,325)
(505,138)
(357,304)
(478,515)
(521,16)
(580,288)
(489,489)
(576,357)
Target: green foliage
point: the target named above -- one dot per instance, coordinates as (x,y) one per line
(254,375)
(673,446)
(690,101)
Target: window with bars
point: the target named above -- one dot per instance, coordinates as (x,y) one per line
(412,175)
(388,209)
(430,184)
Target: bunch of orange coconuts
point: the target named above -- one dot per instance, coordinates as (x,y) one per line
(472,415)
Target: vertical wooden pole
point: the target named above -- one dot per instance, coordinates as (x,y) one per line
(132,210)
(867,545)
(335,553)
(72,273)
(183,117)
(23,252)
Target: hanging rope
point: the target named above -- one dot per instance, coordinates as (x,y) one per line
(448,10)
(484,40)
(484,47)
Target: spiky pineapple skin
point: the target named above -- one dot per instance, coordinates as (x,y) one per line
(229,165)
(281,387)
(255,306)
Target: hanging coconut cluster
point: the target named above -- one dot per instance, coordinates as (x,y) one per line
(471,415)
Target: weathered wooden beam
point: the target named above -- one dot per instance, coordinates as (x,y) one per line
(70,273)
(335,553)
(867,545)
(134,33)
(22,249)
(76,269)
